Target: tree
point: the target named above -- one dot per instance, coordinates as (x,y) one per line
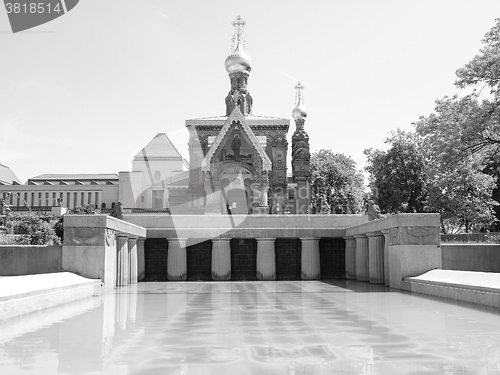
(397,176)
(461,142)
(337,187)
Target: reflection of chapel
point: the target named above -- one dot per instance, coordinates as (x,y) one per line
(238,162)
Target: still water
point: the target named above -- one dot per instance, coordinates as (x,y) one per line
(262,328)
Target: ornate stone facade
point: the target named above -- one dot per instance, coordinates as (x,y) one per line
(238,162)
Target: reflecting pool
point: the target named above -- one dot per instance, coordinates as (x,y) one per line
(239,328)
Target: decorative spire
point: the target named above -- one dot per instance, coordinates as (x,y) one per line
(299,113)
(238,38)
(238,60)
(238,65)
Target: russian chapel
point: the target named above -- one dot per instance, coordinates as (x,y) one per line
(238,162)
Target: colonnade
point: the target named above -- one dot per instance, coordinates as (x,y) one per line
(126,259)
(221,259)
(366,257)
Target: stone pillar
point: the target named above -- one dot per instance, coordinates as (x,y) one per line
(385,232)
(375,257)
(132,259)
(310,259)
(141,260)
(176,259)
(122,277)
(266,259)
(350,258)
(361,257)
(221,259)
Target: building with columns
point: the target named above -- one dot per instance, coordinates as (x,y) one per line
(158,177)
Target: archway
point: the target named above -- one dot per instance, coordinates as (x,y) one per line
(236,190)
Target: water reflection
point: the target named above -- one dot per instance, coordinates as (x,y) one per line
(254,328)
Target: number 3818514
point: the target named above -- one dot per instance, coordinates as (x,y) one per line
(32,8)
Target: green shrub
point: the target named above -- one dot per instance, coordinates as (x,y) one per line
(35,230)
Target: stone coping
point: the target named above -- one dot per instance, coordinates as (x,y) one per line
(212,233)
(481,281)
(394,221)
(246,221)
(14,287)
(104,221)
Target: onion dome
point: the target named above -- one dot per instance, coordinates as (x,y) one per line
(299,113)
(238,61)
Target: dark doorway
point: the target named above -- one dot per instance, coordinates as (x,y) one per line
(288,258)
(237,201)
(332,258)
(155,259)
(199,261)
(243,259)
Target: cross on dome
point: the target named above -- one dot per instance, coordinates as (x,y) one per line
(239,24)
(299,89)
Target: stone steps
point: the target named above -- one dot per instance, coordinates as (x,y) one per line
(21,295)
(481,288)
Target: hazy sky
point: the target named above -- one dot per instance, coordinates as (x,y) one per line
(85,92)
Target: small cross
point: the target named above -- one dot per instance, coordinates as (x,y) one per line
(239,24)
(299,88)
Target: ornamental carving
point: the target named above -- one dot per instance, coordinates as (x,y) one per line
(110,237)
(414,236)
(83,236)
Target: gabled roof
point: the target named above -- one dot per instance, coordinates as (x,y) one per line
(160,147)
(236,116)
(7,177)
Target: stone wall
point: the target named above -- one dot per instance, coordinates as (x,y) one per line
(471,257)
(16,260)
(102,247)
(389,249)
(244,226)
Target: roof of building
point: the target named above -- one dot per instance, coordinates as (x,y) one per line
(251,119)
(160,147)
(75,177)
(7,177)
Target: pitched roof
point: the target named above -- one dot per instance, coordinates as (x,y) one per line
(72,177)
(160,147)
(236,116)
(7,176)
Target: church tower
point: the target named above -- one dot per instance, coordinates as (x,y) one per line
(238,160)
(301,156)
(238,65)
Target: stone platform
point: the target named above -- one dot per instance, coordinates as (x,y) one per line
(24,294)
(482,288)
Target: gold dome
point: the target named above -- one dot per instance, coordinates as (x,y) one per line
(238,61)
(299,113)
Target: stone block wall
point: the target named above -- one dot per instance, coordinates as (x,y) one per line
(471,257)
(17,260)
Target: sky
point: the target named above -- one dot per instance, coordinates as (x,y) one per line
(85,92)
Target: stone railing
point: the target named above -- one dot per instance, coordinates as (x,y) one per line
(387,250)
(101,246)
